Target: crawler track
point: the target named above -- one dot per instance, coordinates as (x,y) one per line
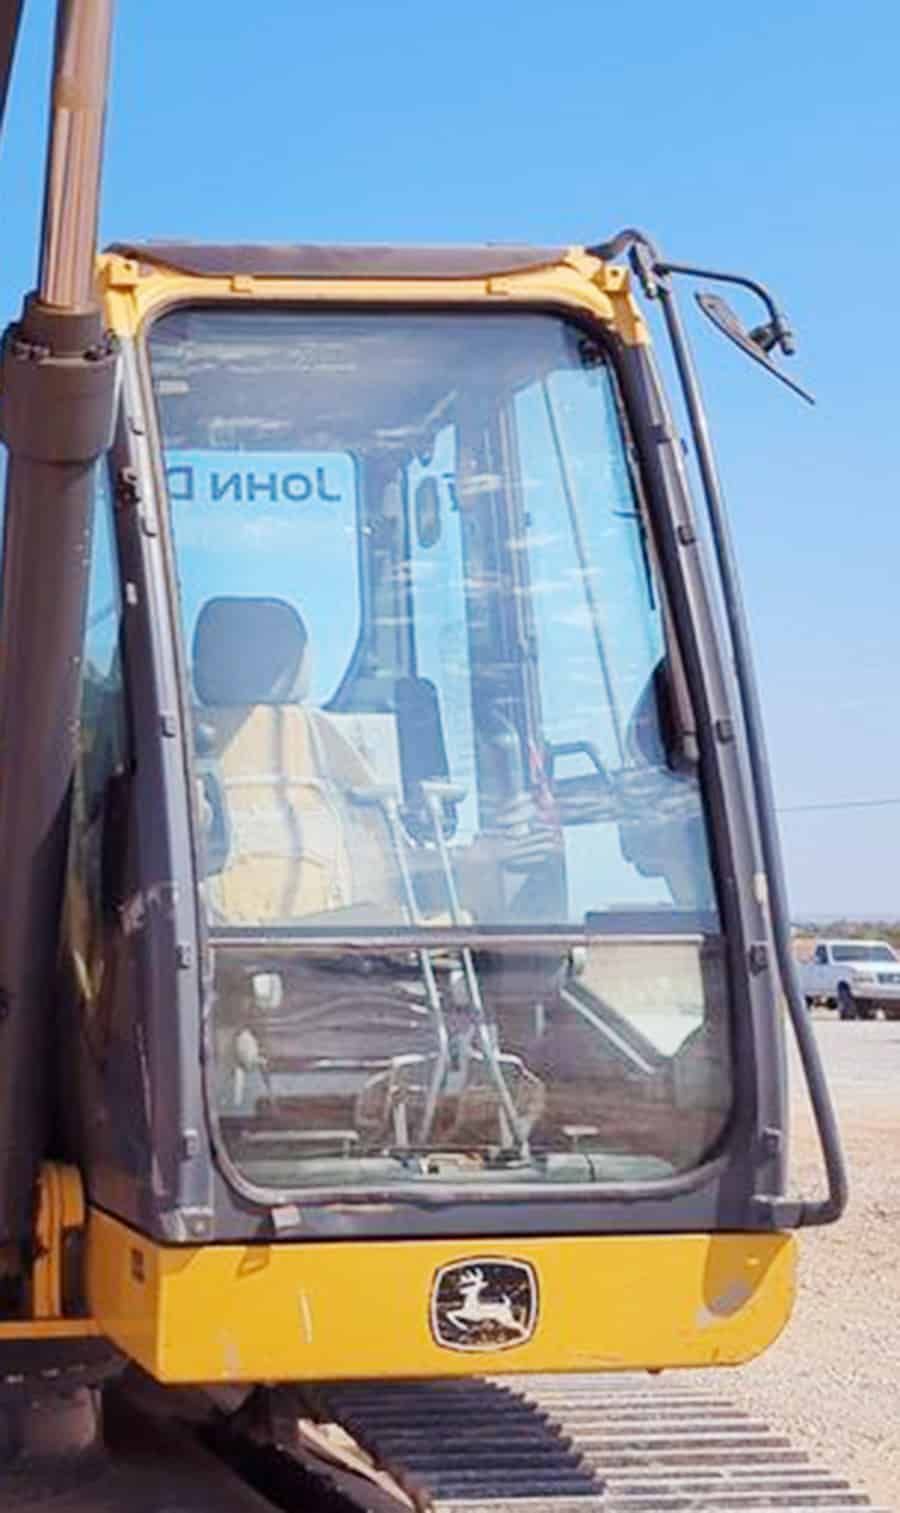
(579,1444)
(572,1444)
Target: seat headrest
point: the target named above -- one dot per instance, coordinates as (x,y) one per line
(250,651)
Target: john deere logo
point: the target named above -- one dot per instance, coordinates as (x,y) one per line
(484,1304)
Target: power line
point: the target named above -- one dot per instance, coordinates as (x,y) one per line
(839,804)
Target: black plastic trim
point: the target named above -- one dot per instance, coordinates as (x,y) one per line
(311,260)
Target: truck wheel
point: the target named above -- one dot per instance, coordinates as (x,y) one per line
(891,1011)
(846,1003)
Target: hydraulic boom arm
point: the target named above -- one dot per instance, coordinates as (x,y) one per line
(57,381)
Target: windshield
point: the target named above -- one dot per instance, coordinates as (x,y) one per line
(432,693)
(863,952)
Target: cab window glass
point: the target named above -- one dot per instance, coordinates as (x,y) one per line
(429,666)
(257,522)
(103,725)
(98,825)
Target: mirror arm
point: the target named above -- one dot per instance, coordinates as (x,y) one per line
(775,333)
(649,267)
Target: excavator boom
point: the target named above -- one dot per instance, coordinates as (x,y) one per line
(10,20)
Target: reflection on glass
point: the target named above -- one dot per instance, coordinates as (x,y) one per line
(429,670)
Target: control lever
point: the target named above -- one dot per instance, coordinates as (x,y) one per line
(436,794)
(383,797)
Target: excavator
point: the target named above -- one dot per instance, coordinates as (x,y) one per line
(395,978)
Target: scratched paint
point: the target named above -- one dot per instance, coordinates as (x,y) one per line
(306,1318)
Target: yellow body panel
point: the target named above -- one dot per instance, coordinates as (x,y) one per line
(295,1311)
(48,1329)
(60,1208)
(132,292)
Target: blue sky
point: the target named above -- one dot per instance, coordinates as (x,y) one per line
(763,139)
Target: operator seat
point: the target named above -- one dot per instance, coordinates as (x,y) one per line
(297,844)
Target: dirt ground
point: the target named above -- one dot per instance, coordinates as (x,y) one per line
(832,1382)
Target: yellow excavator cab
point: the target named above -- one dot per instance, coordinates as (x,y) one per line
(398,962)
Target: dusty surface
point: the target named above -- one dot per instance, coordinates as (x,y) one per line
(833,1380)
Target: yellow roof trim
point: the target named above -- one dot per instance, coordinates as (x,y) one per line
(132,291)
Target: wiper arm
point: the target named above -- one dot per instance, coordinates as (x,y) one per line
(581,551)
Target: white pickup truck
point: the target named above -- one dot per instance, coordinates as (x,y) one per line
(857,977)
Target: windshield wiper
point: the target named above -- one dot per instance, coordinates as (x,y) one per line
(581,552)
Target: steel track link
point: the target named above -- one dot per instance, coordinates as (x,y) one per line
(579,1444)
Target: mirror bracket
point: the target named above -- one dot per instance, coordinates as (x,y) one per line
(653,272)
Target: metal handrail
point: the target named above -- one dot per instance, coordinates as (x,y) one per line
(655,275)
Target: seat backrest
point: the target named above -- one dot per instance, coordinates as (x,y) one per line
(297,845)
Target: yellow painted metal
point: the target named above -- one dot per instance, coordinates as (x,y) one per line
(295,1311)
(60,1208)
(48,1329)
(579,282)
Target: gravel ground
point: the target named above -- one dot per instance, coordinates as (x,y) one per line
(832,1382)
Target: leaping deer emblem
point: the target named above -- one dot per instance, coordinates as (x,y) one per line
(474,1312)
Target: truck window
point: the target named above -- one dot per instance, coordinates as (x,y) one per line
(864,951)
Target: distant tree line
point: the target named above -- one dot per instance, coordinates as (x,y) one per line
(852,929)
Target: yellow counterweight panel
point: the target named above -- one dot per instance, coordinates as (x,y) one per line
(295,1311)
(132,292)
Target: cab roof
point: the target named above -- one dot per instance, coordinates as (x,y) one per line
(308,260)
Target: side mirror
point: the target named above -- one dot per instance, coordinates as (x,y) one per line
(756,343)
